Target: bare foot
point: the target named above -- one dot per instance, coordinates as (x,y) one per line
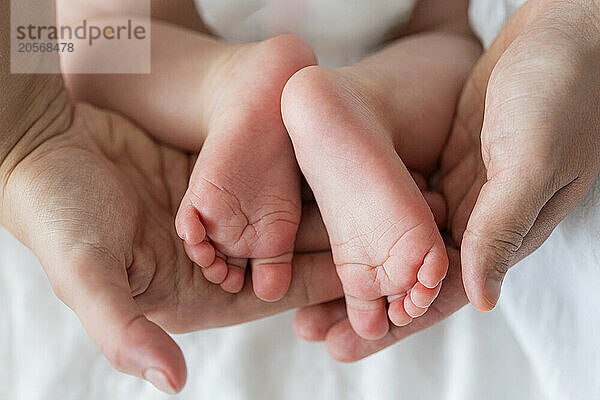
(243,199)
(384,239)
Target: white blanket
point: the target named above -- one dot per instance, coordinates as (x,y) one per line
(340,32)
(542,342)
(46,355)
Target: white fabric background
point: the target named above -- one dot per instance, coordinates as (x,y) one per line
(488,16)
(542,342)
(46,355)
(339,31)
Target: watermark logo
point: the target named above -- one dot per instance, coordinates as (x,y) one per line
(79,36)
(91,33)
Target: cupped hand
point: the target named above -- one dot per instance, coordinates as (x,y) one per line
(537,155)
(96,203)
(522,153)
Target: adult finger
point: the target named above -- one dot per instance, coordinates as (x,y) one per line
(313,322)
(504,213)
(97,289)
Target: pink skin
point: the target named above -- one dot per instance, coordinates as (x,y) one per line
(401,253)
(525,40)
(243,203)
(101,250)
(243,200)
(114,257)
(384,239)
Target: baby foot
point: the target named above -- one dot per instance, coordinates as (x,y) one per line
(243,199)
(383,235)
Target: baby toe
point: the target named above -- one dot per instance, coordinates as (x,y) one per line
(411,309)
(234,281)
(435,266)
(271,277)
(216,272)
(422,296)
(202,254)
(397,313)
(188,224)
(368,317)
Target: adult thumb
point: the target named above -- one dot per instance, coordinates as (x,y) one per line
(99,293)
(505,211)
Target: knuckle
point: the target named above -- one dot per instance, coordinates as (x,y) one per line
(499,248)
(500,268)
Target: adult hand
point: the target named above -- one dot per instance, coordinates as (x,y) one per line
(537,156)
(516,179)
(96,203)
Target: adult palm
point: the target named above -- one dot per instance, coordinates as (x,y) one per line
(96,203)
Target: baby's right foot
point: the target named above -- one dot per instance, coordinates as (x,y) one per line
(384,240)
(243,199)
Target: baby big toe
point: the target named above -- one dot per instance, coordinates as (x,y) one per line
(368,317)
(271,277)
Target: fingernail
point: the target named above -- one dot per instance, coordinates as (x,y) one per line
(159,380)
(492,291)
